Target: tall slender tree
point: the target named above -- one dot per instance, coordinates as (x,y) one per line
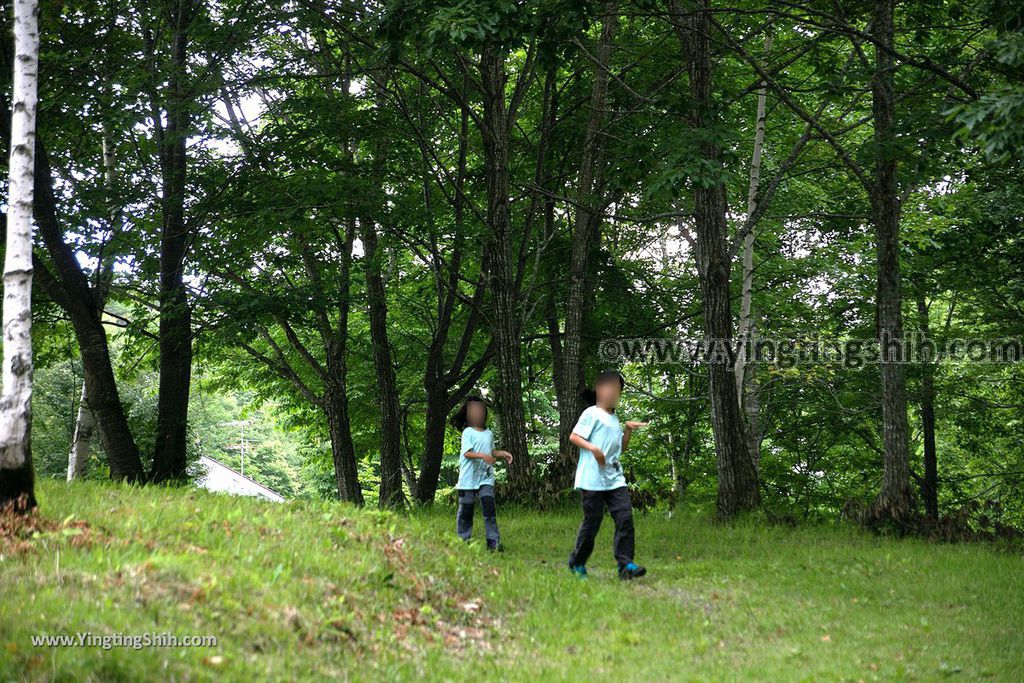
(503,276)
(737,476)
(569,380)
(895,500)
(175,327)
(16,475)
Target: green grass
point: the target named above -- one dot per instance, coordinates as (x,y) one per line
(315,591)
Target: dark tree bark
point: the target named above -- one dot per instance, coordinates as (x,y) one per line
(175,327)
(343,452)
(737,477)
(446,384)
(503,273)
(930,484)
(391,494)
(585,236)
(895,501)
(335,398)
(69,288)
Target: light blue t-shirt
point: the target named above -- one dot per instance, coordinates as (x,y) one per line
(601,429)
(474,472)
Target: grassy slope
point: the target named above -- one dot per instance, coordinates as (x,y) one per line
(304,591)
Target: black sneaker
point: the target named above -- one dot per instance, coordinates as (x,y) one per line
(631,571)
(495,547)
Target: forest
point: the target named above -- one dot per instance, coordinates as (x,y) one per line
(333,221)
(748,277)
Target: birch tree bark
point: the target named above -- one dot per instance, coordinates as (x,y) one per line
(16,475)
(745,384)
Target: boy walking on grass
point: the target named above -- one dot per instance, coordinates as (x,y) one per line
(599,476)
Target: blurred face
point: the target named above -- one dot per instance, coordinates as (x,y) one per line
(476,413)
(608,393)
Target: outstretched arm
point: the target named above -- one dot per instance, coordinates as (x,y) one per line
(628,432)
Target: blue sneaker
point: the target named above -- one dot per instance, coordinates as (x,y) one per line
(580,571)
(631,571)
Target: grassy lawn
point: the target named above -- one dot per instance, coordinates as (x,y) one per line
(315,591)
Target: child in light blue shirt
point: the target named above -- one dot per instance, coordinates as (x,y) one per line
(599,477)
(476,471)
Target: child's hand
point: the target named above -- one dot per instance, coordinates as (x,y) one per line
(633,424)
(489,459)
(598,455)
(504,455)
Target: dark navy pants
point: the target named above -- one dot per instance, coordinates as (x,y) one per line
(467,500)
(621,510)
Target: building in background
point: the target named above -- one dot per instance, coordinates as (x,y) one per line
(214,475)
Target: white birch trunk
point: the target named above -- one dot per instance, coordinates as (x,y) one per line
(16,397)
(746,302)
(85,423)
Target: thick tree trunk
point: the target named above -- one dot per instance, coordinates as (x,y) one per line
(175,328)
(346,473)
(585,234)
(930,485)
(17,487)
(433,444)
(79,301)
(737,476)
(104,400)
(85,422)
(503,271)
(391,494)
(895,501)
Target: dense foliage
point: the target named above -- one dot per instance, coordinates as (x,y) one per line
(375,209)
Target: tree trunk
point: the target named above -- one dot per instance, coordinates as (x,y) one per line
(104,400)
(85,422)
(737,476)
(78,300)
(930,486)
(746,384)
(895,500)
(391,494)
(585,235)
(175,328)
(433,444)
(503,272)
(440,383)
(343,452)
(85,425)
(17,488)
